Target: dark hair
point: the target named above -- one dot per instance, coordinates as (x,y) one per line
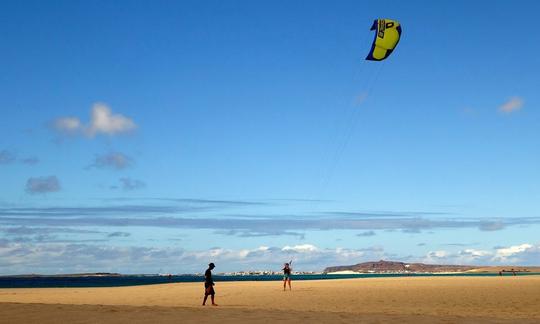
(211,265)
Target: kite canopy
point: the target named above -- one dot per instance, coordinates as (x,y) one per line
(386,39)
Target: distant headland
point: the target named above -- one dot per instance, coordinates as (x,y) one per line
(404,267)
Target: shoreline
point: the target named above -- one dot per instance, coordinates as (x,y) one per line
(37,282)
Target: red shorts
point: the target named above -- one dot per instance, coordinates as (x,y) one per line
(209,289)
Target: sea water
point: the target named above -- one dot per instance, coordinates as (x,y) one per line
(135,280)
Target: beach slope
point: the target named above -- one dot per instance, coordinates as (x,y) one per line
(371,300)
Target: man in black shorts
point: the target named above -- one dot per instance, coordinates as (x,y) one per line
(209,285)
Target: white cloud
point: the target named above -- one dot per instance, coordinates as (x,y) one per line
(302,248)
(522,254)
(68,125)
(20,257)
(437,254)
(55,257)
(512,105)
(221,254)
(510,253)
(351,254)
(102,121)
(447,257)
(472,256)
(475,253)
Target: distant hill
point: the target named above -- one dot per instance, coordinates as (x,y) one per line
(75,275)
(394,266)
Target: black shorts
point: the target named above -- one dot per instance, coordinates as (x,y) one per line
(209,289)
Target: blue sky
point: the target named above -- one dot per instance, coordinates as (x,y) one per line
(160,136)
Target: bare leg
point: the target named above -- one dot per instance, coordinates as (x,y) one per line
(204,300)
(213,303)
(284,284)
(290,284)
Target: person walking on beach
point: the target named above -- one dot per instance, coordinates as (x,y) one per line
(209,285)
(287,275)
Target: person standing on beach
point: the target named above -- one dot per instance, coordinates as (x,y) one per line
(287,276)
(209,285)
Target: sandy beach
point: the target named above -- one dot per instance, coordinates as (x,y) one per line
(374,300)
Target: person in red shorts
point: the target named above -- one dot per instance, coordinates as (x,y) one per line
(209,285)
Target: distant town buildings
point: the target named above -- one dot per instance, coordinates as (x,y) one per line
(265,273)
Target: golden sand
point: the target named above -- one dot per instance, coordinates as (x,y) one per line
(372,300)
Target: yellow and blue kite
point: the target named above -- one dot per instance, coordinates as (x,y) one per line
(386,39)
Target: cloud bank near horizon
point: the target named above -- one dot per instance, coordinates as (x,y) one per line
(51,258)
(102,237)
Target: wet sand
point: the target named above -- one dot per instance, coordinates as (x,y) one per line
(373,300)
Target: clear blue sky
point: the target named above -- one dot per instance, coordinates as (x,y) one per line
(248,133)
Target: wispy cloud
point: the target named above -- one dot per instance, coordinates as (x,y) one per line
(118,234)
(157,217)
(9,157)
(32,160)
(24,234)
(129,184)
(512,105)
(28,234)
(366,233)
(384,213)
(460,244)
(46,238)
(411,230)
(24,230)
(112,160)
(137,207)
(491,226)
(102,122)
(41,185)
(68,126)
(6,157)
(361,98)
(248,233)
(222,216)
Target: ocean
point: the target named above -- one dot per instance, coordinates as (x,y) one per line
(136,280)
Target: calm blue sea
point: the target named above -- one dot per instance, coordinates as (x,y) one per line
(135,280)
